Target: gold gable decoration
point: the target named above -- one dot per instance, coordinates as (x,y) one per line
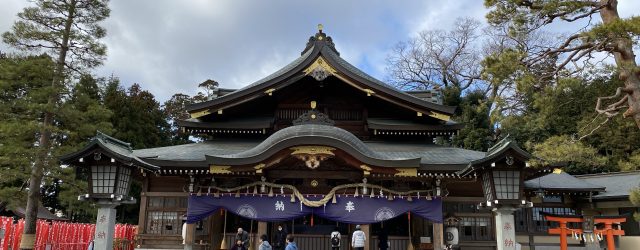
(312,156)
(320,69)
(439,116)
(214,169)
(407,172)
(200,113)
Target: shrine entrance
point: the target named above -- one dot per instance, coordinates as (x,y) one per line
(313,232)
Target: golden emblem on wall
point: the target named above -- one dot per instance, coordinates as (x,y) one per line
(312,156)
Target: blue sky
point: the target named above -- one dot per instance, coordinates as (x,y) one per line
(170,46)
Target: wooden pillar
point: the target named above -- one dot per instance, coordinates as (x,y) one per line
(190,235)
(367,232)
(262,229)
(563,235)
(610,243)
(438,236)
(142,217)
(216,232)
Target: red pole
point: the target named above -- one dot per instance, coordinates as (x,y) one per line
(563,235)
(610,243)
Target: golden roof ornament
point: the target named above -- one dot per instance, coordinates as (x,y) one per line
(320,27)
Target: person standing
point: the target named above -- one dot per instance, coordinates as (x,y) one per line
(264,244)
(335,239)
(383,240)
(244,237)
(358,239)
(281,237)
(291,245)
(238,246)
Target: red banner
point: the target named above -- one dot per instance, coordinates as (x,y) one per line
(63,235)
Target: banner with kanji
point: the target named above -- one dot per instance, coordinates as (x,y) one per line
(347,209)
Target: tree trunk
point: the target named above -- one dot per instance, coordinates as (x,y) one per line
(626,62)
(44,142)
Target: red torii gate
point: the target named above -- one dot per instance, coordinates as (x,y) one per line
(607,230)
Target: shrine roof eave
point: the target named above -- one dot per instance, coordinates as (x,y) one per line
(312,134)
(561,182)
(369,81)
(263,84)
(253,123)
(495,153)
(294,70)
(114,148)
(403,125)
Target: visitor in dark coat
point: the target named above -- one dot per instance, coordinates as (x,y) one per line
(279,242)
(244,237)
(383,240)
(238,246)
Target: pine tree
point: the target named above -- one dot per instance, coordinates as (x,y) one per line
(68,31)
(24,90)
(137,117)
(614,35)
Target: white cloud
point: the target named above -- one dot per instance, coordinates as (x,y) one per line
(170,46)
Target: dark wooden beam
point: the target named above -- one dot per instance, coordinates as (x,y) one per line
(317,174)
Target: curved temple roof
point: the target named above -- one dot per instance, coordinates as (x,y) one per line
(319,45)
(313,134)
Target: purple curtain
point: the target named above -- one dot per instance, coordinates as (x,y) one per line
(347,209)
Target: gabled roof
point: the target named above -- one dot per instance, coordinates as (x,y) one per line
(561,182)
(113,147)
(617,185)
(319,46)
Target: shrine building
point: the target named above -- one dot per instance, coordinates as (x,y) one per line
(320,144)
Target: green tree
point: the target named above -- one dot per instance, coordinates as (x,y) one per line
(176,109)
(68,31)
(137,116)
(24,83)
(477,133)
(80,116)
(614,35)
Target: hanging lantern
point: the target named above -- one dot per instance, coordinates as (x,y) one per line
(364,186)
(333,200)
(293,198)
(270,192)
(356,193)
(238,194)
(263,188)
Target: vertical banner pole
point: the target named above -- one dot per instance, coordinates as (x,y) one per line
(223,244)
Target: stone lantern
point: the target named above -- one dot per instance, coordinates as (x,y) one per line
(109,166)
(502,172)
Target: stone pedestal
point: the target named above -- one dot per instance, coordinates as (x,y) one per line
(105,226)
(505,228)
